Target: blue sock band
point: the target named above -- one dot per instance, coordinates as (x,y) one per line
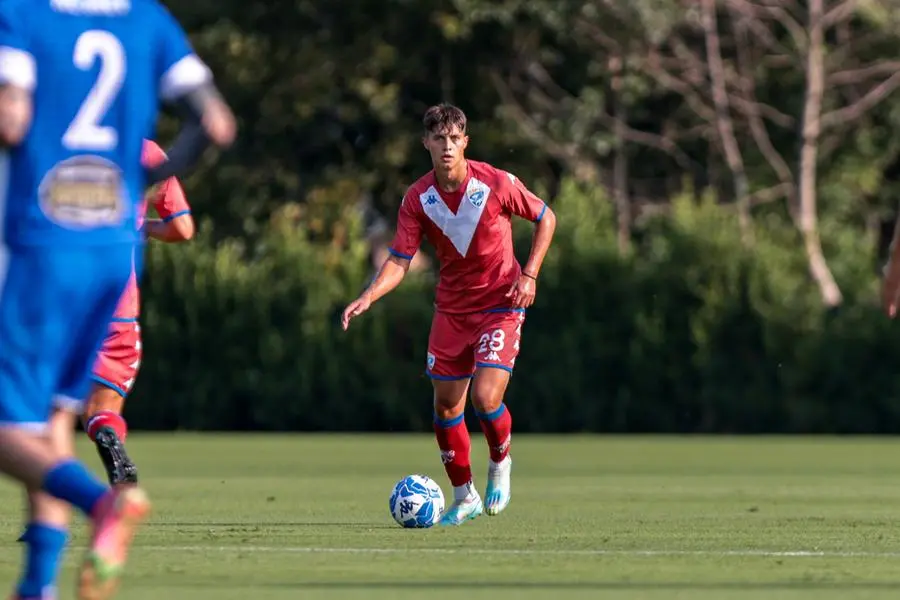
(449,422)
(44,548)
(492,416)
(72,482)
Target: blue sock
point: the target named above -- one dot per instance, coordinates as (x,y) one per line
(44,549)
(70,481)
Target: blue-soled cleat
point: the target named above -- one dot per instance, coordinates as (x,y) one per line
(461,511)
(498,491)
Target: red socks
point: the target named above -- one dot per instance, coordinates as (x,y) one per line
(109,419)
(497,427)
(453,440)
(455,444)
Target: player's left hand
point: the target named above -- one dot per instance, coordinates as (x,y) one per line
(354,309)
(522,292)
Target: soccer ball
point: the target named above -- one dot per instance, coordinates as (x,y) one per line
(417,501)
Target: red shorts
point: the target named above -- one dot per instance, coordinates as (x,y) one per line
(120,357)
(460,343)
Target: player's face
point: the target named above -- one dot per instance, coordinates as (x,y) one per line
(446,146)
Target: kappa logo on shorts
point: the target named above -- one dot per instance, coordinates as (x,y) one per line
(429,361)
(493,356)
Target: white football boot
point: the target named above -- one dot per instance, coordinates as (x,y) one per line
(498,490)
(466,506)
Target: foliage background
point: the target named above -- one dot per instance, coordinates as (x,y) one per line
(699,191)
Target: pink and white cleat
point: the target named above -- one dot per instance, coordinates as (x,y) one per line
(115,521)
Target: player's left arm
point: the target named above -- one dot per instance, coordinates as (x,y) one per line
(18,77)
(521,202)
(175,222)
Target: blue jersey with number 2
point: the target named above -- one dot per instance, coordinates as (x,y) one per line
(97,70)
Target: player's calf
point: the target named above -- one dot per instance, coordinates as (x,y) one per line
(44,546)
(496,423)
(455,444)
(46,532)
(108,431)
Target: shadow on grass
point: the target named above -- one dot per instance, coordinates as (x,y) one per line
(578,585)
(264,525)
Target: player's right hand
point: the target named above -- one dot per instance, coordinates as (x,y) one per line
(354,309)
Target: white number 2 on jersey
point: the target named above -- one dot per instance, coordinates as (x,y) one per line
(85,131)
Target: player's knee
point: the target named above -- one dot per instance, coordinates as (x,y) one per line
(448,413)
(486,401)
(450,398)
(447,408)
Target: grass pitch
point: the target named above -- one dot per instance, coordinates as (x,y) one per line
(286,517)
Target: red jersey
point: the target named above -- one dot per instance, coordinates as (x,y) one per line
(471,231)
(169,201)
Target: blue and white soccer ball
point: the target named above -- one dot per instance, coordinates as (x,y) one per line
(417,501)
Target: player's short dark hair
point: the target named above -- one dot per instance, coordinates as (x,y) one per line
(444,116)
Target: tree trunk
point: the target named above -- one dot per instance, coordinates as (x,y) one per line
(724,124)
(812,109)
(620,160)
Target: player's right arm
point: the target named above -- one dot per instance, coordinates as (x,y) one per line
(404,247)
(18,75)
(187,84)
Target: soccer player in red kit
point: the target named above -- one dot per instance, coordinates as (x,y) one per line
(120,357)
(464,209)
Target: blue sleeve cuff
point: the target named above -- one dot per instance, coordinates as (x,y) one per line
(181,213)
(399,254)
(541,216)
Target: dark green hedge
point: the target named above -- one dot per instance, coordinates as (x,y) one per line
(692,332)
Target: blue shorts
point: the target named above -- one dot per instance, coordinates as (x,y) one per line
(55,306)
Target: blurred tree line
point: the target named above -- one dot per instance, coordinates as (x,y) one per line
(724,174)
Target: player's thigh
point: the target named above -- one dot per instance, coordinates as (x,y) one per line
(118,361)
(450,348)
(496,350)
(32,333)
(108,277)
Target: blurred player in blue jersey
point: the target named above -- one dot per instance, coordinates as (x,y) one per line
(80,84)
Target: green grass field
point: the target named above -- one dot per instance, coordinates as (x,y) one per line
(285,517)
